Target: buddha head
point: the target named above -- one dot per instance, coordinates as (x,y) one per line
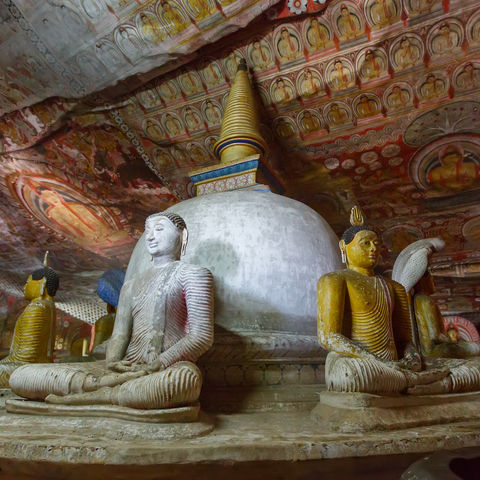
(453,333)
(444,29)
(360,245)
(166,235)
(284,33)
(344,10)
(405,42)
(451,155)
(51,197)
(41,283)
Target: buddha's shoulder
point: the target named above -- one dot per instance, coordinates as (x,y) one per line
(336,277)
(397,287)
(39,304)
(190,269)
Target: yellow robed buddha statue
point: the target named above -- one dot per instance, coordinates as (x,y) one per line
(34,334)
(411,270)
(364,320)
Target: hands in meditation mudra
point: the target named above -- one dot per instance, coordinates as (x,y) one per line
(364,321)
(164,323)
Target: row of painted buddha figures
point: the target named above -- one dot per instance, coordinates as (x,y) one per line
(164,323)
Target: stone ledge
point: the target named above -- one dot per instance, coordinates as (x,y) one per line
(185,414)
(363,412)
(236,439)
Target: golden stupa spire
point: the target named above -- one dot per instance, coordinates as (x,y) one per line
(240,133)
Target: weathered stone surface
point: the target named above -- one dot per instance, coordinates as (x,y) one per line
(361,412)
(237,439)
(166,415)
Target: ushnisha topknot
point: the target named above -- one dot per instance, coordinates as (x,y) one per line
(177,220)
(357,220)
(49,274)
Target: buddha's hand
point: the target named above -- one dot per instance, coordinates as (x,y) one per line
(155,366)
(125,366)
(411,361)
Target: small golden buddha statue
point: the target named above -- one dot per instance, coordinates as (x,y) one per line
(108,289)
(364,320)
(104,327)
(34,334)
(411,270)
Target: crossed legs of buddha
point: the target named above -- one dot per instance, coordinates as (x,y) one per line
(349,374)
(78,384)
(6,369)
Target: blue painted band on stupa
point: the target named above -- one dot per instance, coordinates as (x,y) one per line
(224,171)
(238,141)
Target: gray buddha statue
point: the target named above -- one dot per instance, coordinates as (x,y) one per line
(164,323)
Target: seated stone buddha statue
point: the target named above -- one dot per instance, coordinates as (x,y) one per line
(164,323)
(411,270)
(34,334)
(364,321)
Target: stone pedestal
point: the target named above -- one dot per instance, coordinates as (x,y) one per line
(363,412)
(257,446)
(185,414)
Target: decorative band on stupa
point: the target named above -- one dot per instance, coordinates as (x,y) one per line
(240,133)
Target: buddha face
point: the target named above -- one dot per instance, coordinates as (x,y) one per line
(33,288)
(451,157)
(51,197)
(452,333)
(363,250)
(162,237)
(444,30)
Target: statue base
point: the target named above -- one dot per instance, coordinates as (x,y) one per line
(186,414)
(257,446)
(364,412)
(6,394)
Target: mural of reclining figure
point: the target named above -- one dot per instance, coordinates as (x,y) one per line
(411,270)
(164,323)
(364,321)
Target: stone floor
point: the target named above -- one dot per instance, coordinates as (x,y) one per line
(250,445)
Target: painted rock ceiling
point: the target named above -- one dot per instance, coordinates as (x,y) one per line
(108,104)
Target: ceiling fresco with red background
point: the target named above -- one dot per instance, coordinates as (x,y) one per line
(107,105)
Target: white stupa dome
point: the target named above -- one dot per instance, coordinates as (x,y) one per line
(266,253)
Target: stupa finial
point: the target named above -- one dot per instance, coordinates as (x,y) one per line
(240,133)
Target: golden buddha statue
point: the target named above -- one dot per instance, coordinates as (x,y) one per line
(364,320)
(34,334)
(411,270)
(104,327)
(109,286)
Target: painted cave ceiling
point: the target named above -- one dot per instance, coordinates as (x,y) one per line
(107,105)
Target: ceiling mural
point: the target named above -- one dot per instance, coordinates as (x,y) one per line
(368,102)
